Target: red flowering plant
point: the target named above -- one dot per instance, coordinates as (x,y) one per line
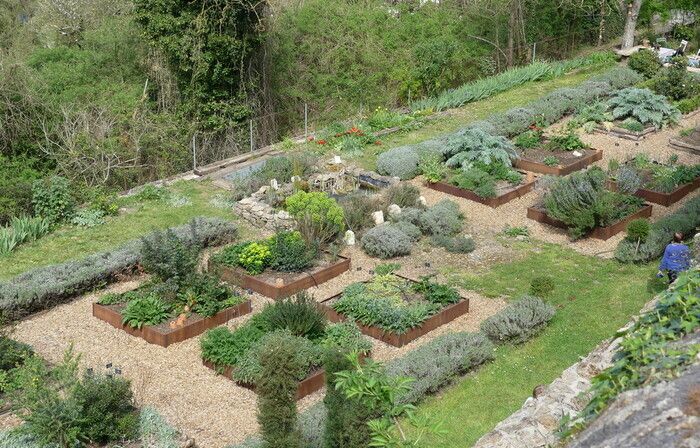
(343,138)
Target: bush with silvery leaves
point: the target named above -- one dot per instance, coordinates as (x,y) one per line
(644,106)
(477,145)
(386,241)
(628,180)
(48,286)
(519,321)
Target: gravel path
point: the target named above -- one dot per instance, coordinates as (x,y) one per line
(486,222)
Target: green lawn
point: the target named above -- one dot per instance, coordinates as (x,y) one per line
(70,242)
(594,298)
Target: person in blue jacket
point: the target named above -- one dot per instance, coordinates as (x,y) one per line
(676,258)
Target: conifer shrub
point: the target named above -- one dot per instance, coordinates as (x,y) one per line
(519,321)
(277,390)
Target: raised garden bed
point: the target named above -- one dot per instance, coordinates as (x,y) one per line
(620,132)
(532,160)
(442,317)
(601,233)
(689,143)
(163,334)
(315,381)
(665,199)
(506,195)
(278,285)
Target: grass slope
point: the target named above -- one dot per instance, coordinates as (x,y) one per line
(70,242)
(594,298)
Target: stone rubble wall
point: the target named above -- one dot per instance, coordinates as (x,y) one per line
(260,214)
(536,423)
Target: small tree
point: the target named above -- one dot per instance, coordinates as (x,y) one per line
(277,390)
(347,423)
(370,385)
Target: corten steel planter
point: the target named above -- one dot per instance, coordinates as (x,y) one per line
(665,199)
(164,338)
(619,132)
(683,145)
(315,381)
(239,277)
(560,170)
(515,193)
(601,233)
(446,315)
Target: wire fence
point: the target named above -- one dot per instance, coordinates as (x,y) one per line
(262,131)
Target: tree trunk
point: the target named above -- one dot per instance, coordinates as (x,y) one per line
(511,34)
(632,9)
(601,25)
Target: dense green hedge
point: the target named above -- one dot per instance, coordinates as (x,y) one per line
(46,287)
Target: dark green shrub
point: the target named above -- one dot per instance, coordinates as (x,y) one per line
(52,199)
(542,286)
(476,180)
(347,419)
(443,218)
(224,347)
(519,321)
(166,256)
(148,310)
(638,230)
(345,336)
(688,105)
(402,194)
(277,393)
(299,314)
(16,179)
(12,353)
(206,295)
(107,408)
(440,361)
(434,292)
(677,83)
(291,253)
(645,62)
(386,241)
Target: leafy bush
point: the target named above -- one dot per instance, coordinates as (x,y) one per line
(166,256)
(438,362)
(435,292)
(401,162)
(319,217)
(683,220)
(632,125)
(477,181)
(88,218)
(542,286)
(254,257)
(290,253)
(250,368)
(345,337)
(688,105)
(644,106)
(12,354)
(432,168)
(519,321)
(443,218)
(49,286)
(386,241)
(149,310)
(224,347)
(402,194)
(107,408)
(52,199)
(677,83)
(475,145)
(638,230)
(645,62)
(281,366)
(300,315)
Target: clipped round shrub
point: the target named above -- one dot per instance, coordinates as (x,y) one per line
(644,62)
(638,230)
(519,321)
(401,162)
(444,218)
(411,230)
(386,241)
(542,286)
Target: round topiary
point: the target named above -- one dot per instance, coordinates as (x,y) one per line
(386,241)
(638,230)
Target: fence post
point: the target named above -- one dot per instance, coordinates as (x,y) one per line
(534,51)
(194,151)
(251,135)
(306,121)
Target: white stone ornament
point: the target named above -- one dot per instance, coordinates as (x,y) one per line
(274,184)
(394,210)
(349,238)
(378,217)
(337,160)
(577,154)
(422,201)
